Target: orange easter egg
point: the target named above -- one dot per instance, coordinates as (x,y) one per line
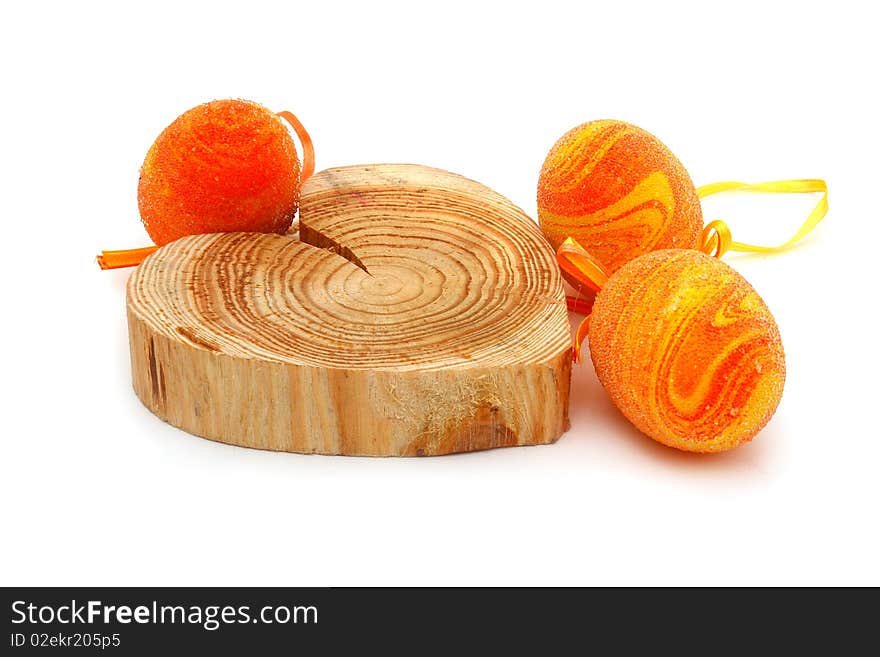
(618,191)
(227,165)
(687,350)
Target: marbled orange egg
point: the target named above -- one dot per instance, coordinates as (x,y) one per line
(619,191)
(687,350)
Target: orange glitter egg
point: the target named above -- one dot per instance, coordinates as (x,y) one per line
(227,165)
(618,191)
(687,350)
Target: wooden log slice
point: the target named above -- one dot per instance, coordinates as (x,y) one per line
(420,313)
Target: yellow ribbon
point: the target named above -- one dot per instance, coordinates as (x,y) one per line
(575,261)
(716,239)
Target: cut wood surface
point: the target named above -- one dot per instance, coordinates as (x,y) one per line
(418,313)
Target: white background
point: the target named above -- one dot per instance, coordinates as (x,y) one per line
(96,490)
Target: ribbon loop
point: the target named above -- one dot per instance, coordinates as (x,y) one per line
(576,261)
(308,164)
(582,268)
(803,186)
(716,239)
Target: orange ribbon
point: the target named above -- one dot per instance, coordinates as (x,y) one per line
(134,257)
(575,261)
